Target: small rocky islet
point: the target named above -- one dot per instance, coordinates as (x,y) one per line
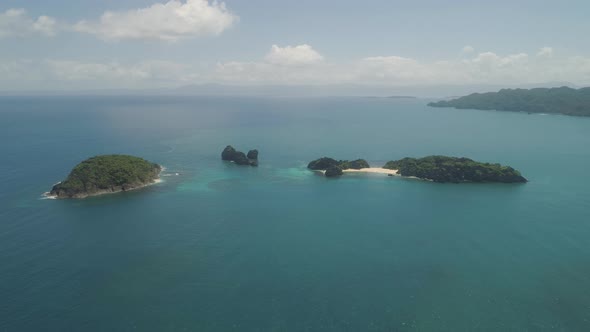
(240,158)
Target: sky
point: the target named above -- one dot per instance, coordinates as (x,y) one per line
(138,44)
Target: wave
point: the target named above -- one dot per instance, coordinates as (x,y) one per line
(46,195)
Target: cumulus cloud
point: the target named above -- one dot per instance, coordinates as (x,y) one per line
(299,64)
(468,49)
(391,70)
(293,55)
(155,71)
(169,21)
(17,23)
(236,72)
(545,52)
(394,68)
(490,62)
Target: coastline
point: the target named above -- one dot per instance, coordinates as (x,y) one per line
(373,170)
(157,180)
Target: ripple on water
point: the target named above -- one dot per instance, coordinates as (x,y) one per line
(212,180)
(292,174)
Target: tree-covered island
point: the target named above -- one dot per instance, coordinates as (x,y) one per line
(455,170)
(562,100)
(106,174)
(333,167)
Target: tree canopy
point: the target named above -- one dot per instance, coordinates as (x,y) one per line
(452,169)
(107,172)
(562,100)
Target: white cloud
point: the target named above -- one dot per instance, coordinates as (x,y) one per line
(545,51)
(468,49)
(45,25)
(17,23)
(235,72)
(391,68)
(293,55)
(491,62)
(299,64)
(483,68)
(116,72)
(170,21)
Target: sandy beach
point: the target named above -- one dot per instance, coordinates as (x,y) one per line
(375,170)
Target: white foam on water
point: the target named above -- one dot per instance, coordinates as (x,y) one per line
(46,195)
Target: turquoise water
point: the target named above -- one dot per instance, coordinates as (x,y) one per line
(277,248)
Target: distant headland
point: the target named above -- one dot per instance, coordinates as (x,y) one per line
(433,168)
(106,174)
(562,100)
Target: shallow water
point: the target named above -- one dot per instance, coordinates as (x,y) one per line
(224,248)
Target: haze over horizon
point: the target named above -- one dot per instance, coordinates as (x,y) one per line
(146,44)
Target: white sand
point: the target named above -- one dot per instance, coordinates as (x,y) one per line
(377,170)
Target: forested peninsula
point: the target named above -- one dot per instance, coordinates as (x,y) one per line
(563,100)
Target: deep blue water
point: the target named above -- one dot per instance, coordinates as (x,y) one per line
(277,248)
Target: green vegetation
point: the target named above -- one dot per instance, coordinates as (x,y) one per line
(322,164)
(104,174)
(355,164)
(456,170)
(334,167)
(562,100)
(333,171)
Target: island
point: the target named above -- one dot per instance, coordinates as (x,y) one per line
(238,157)
(330,167)
(563,100)
(107,174)
(326,162)
(455,170)
(432,168)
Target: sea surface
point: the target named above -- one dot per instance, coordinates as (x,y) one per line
(218,247)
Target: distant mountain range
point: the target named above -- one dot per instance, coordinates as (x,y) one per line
(563,100)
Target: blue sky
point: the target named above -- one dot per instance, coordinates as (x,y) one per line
(316,42)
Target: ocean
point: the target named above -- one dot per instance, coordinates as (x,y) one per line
(218,247)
